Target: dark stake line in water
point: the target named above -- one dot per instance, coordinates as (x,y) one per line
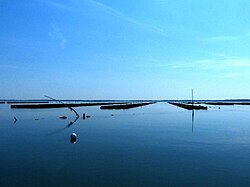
(124,106)
(58,105)
(188,106)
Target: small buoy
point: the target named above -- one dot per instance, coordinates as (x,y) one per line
(83,116)
(73,137)
(87,116)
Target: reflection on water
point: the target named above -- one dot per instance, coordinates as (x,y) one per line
(149,146)
(72,122)
(15,119)
(192,121)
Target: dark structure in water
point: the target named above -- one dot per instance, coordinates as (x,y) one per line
(124,106)
(56,105)
(189,106)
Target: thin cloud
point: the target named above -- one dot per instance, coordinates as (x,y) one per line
(218,39)
(55,4)
(229,66)
(17,43)
(226,38)
(226,62)
(57,34)
(129,19)
(218,63)
(245,74)
(5,66)
(233,75)
(15,67)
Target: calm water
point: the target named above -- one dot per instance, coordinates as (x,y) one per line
(156,145)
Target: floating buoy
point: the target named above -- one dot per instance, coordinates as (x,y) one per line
(73,137)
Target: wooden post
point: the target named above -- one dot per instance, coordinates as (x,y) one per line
(192,97)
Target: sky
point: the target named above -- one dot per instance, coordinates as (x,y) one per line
(113,49)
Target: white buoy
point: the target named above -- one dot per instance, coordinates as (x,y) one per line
(73,138)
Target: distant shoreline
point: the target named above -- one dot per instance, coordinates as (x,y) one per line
(45,103)
(12,101)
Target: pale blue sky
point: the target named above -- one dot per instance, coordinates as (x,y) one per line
(112,49)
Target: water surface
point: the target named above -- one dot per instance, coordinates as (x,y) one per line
(155,145)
